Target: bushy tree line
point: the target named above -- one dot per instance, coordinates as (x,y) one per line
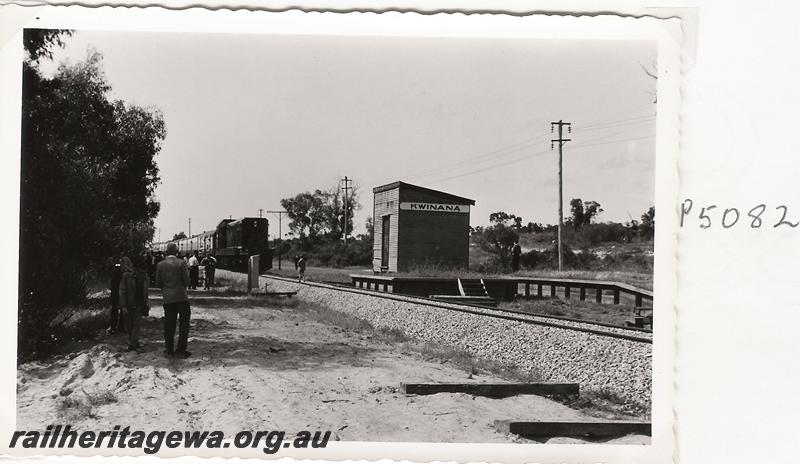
(317,223)
(88,176)
(579,232)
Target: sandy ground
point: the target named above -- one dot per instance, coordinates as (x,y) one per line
(267,368)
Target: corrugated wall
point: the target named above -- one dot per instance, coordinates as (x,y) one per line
(386,203)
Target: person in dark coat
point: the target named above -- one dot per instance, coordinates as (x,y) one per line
(516,251)
(209,266)
(172,276)
(119,265)
(133,298)
(151,265)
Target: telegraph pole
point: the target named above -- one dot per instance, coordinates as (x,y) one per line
(561,141)
(190,227)
(345,188)
(280,235)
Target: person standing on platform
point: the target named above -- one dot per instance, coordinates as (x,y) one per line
(516,251)
(172,276)
(301,268)
(133,298)
(194,271)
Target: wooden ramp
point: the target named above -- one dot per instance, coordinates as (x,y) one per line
(492,390)
(606,429)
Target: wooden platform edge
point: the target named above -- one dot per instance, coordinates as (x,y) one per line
(492,389)
(573,428)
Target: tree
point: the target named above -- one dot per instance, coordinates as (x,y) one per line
(576,208)
(370,226)
(305,212)
(583,212)
(647,228)
(88,175)
(178,236)
(591,209)
(499,238)
(39,43)
(320,214)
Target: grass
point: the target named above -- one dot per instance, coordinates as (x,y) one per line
(642,280)
(608,405)
(574,309)
(321,274)
(342,275)
(476,365)
(246,301)
(228,282)
(73,323)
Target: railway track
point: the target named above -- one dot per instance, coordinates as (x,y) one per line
(597,328)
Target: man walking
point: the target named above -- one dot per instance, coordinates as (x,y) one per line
(172,275)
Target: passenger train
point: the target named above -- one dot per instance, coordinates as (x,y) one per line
(232,243)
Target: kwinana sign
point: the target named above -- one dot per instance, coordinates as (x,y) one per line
(434,207)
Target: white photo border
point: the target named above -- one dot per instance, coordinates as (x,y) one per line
(666,32)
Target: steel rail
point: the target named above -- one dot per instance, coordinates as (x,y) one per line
(465,309)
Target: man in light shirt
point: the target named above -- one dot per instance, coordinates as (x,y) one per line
(194,271)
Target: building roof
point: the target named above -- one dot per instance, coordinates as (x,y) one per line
(407,186)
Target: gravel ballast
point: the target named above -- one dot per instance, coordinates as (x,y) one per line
(554,354)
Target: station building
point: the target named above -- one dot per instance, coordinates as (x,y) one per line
(417,226)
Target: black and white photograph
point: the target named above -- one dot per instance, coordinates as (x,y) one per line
(358,237)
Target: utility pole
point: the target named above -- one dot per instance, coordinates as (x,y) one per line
(345,188)
(260,212)
(190,227)
(280,235)
(561,141)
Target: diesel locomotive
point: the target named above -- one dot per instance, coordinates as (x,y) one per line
(232,243)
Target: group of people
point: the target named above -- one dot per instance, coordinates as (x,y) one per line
(174,275)
(209,263)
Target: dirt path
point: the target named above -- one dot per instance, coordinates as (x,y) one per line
(266,367)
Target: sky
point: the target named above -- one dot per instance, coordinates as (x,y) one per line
(254,118)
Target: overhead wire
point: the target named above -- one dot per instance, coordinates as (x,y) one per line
(510,149)
(530,156)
